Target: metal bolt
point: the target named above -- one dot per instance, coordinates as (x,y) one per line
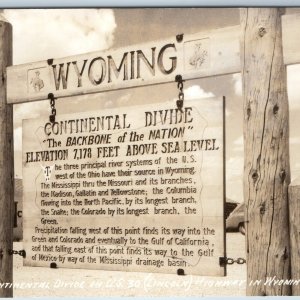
(178,78)
(50,96)
(50,61)
(179,38)
(180,272)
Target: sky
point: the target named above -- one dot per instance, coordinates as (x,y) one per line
(39,34)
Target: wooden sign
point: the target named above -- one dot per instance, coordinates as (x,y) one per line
(133,189)
(204,54)
(198,55)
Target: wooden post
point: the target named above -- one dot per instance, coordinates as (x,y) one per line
(266,140)
(294,209)
(6,164)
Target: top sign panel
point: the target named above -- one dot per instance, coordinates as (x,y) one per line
(198,55)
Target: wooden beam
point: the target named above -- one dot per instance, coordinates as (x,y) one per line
(6,164)
(199,55)
(266,140)
(294,218)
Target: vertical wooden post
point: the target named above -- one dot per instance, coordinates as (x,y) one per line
(6,163)
(294,209)
(266,140)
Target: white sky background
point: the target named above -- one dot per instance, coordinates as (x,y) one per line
(43,34)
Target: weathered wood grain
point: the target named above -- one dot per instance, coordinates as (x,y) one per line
(294,217)
(6,163)
(217,54)
(266,134)
(202,54)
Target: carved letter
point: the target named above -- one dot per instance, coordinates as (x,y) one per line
(112,65)
(79,74)
(151,67)
(160,60)
(91,72)
(61,76)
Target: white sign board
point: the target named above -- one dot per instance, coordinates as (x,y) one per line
(134,189)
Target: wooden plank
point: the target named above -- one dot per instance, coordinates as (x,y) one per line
(266,140)
(199,55)
(294,219)
(291,38)
(152,173)
(6,164)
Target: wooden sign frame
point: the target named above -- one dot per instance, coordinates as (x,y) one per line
(206,211)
